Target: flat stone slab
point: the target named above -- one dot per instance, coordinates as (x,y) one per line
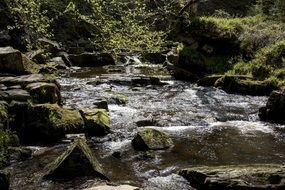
(253,177)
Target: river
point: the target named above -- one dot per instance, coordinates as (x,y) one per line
(207,125)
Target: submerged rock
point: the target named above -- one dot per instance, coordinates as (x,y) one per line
(78,160)
(275,108)
(4,181)
(241,177)
(91,59)
(151,139)
(97,121)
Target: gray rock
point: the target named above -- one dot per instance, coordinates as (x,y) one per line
(11,61)
(238,177)
(275,108)
(151,139)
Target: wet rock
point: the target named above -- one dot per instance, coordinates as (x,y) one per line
(101,103)
(119,99)
(4,181)
(235,85)
(256,177)
(144,81)
(275,107)
(43,92)
(155,58)
(146,122)
(78,160)
(117,187)
(91,59)
(97,121)
(151,139)
(11,61)
(47,123)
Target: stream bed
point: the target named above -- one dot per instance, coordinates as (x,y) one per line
(207,125)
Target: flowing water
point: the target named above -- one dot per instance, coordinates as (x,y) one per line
(208,127)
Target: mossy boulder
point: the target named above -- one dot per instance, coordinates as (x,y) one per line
(275,108)
(77,161)
(43,92)
(13,61)
(91,59)
(47,123)
(241,177)
(4,181)
(97,121)
(234,85)
(151,139)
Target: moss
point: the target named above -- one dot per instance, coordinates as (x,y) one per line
(97,121)
(77,160)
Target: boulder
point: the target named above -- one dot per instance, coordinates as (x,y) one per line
(239,177)
(101,103)
(275,108)
(4,181)
(151,139)
(119,99)
(11,61)
(97,121)
(78,160)
(46,122)
(43,92)
(91,59)
(235,85)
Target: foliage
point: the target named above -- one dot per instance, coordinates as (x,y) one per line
(4,140)
(103,24)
